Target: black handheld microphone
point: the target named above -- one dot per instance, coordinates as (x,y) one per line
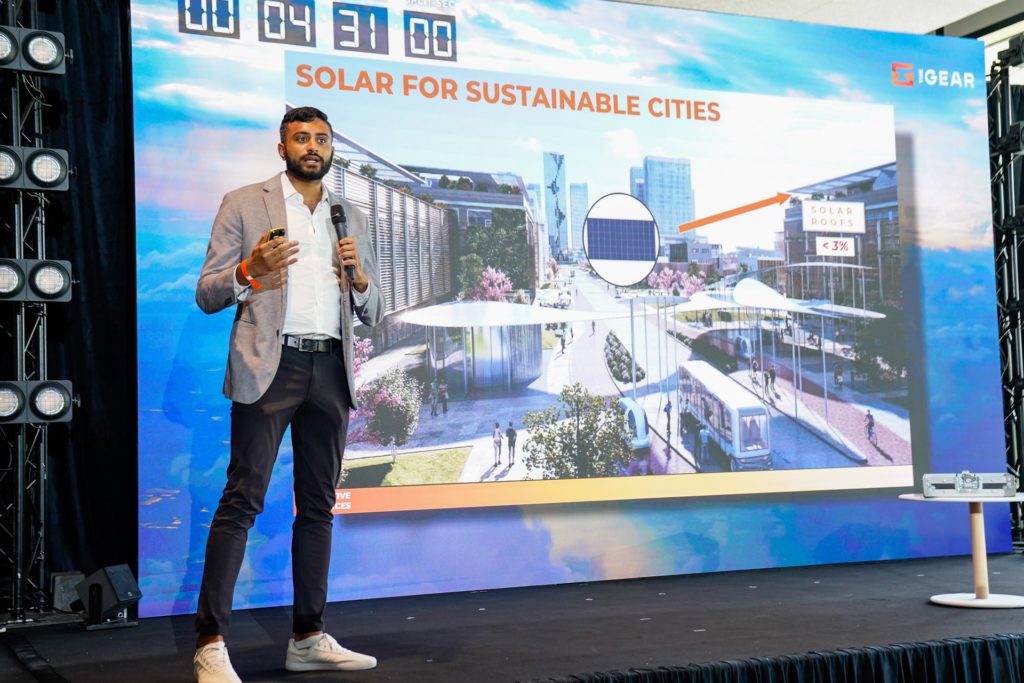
(340,225)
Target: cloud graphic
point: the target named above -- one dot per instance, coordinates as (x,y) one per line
(186,96)
(502,15)
(950,187)
(687,48)
(185,256)
(624,144)
(182,288)
(530,143)
(845,92)
(210,161)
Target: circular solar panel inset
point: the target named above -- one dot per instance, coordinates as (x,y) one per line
(621,239)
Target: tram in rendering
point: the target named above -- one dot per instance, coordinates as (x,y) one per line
(735,417)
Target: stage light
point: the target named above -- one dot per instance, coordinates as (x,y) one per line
(51,401)
(12,279)
(46,168)
(10,166)
(32,50)
(42,50)
(8,46)
(12,401)
(49,281)
(35,402)
(33,168)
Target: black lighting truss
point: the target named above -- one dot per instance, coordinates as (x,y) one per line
(1005,117)
(24,448)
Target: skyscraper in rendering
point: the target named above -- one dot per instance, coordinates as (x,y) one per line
(579,204)
(668,193)
(636,182)
(535,198)
(554,202)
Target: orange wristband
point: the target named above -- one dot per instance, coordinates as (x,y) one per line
(250,278)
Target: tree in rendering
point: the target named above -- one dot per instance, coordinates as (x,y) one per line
(494,285)
(391,405)
(471,268)
(505,246)
(676,282)
(584,435)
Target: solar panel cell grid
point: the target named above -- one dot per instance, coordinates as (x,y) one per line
(621,239)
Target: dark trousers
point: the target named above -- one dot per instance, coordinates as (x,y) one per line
(310,392)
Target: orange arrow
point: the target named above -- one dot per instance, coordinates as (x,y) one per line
(777,199)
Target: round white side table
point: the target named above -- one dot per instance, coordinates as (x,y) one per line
(981,597)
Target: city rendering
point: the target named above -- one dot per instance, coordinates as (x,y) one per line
(723,358)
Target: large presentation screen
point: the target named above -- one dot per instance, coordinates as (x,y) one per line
(627,253)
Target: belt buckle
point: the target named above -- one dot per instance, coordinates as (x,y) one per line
(308,345)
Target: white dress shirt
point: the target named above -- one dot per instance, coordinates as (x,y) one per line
(312,299)
(312,296)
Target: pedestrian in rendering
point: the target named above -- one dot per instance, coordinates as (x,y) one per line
(443,389)
(838,374)
(563,342)
(767,375)
(433,401)
(668,418)
(593,327)
(497,444)
(771,377)
(511,435)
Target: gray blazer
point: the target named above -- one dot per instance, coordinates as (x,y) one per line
(245,215)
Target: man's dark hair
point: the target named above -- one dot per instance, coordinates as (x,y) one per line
(305,115)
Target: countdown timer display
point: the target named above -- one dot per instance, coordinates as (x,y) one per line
(354,27)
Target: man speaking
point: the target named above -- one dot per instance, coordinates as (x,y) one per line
(290,362)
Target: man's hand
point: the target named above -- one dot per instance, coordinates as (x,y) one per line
(270,257)
(348,255)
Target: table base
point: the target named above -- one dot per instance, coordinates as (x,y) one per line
(993,601)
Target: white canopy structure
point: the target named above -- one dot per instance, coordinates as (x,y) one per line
(754,294)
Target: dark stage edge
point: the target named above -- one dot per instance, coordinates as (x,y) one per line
(565,632)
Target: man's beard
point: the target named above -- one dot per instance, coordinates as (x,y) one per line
(295,168)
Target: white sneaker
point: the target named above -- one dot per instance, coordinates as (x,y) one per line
(322,653)
(212,665)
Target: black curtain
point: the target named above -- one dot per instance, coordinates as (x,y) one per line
(987,659)
(92,503)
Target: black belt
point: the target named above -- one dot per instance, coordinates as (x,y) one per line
(310,345)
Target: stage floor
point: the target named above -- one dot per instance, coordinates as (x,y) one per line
(527,633)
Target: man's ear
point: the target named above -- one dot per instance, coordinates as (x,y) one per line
(280,149)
